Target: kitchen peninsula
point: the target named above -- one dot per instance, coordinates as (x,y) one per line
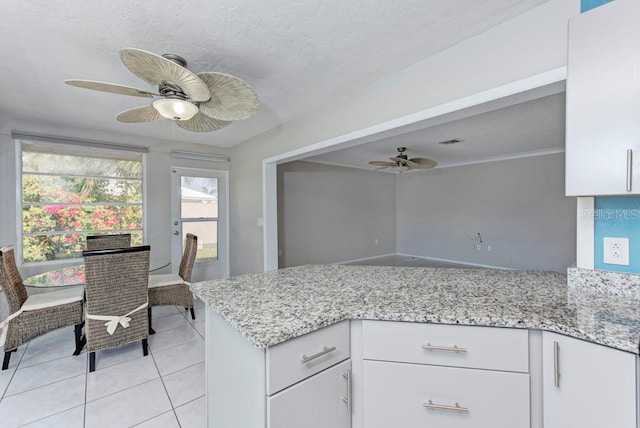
(353,341)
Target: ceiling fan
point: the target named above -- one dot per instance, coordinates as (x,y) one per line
(402,163)
(200,102)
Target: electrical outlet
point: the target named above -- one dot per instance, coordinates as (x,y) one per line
(615,251)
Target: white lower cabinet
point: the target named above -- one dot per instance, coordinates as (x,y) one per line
(587,385)
(322,401)
(410,395)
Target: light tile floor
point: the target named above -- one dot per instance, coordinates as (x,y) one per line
(45,386)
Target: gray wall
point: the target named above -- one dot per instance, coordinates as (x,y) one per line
(517,205)
(330,214)
(514,50)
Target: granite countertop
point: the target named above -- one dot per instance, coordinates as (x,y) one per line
(272,307)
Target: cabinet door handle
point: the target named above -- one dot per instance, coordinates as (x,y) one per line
(347,399)
(325,351)
(556,364)
(455,408)
(454,348)
(629,168)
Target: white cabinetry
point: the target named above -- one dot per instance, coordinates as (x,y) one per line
(323,398)
(603,101)
(318,402)
(587,385)
(444,376)
(410,395)
(304,382)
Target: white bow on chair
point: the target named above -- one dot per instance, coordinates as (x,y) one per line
(114,320)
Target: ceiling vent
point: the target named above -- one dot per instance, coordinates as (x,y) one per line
(451,141)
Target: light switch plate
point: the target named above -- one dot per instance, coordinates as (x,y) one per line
(615,251)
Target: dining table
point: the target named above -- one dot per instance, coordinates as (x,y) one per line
(74,275)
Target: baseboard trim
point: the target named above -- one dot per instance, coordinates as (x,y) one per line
(454,261)
(363,259)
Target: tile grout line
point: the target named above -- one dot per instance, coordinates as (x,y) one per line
(173,409)
(86,388)
(36,387)
(2,397)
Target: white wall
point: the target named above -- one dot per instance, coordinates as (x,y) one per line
(532,43)
(330,214)
(518,206)
(158,183)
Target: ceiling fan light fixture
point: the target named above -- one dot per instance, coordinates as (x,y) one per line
(175,109)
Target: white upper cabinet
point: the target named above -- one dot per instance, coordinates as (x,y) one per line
(603,102)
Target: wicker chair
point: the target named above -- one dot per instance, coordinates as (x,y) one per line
(33,316)
(173,289)
(116,292)
(105,242)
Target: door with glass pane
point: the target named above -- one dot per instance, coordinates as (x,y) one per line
(199,206)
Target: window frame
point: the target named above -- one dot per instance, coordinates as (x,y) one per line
(100,148)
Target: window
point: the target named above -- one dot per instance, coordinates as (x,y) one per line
(199,213)
(69,192)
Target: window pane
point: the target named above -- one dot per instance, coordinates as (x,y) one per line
(52,247)
(47,188)
(66,276)
(63,164)
(199,197)
(60,247)
(71,192)
(50,218)
(207,233)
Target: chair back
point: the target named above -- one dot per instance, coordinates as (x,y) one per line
(188,257)
(11,280)
(104,242)
(116,283)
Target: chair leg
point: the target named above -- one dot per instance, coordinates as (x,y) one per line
(193,314)
(81,340)
(145,347)
(5,362)
(92,362)
(151,330)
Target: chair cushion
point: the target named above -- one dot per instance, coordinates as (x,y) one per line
(165,279)
(53,298)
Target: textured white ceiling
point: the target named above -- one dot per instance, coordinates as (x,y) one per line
(295,54)
(531,127)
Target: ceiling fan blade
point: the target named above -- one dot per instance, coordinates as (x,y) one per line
(231,97)
(383,164)
(201,123)
(398,159)
(139,115)
(155,69)
(410,163)
(109,87)
(423,163)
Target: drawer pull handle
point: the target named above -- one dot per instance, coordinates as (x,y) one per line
(324,351)
(455,408)
(556,364)
(347,399)
(454,348)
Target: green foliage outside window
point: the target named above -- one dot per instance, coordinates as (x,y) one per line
(67,196)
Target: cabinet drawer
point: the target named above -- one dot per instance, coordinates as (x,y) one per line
(476,347)
(318,402)
(297,359)
(410,395)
